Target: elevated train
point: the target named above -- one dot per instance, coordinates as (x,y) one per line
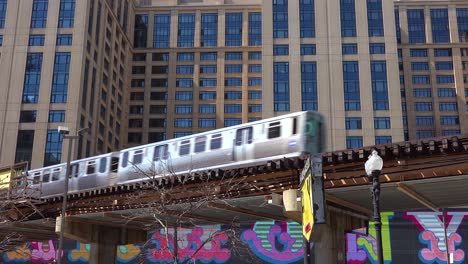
(249,144)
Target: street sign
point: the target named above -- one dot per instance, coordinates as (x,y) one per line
(307,207)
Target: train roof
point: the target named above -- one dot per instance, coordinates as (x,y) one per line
(219,130)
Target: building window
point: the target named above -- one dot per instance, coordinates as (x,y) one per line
(64,39)
(60,78)
(418,52)
(233,68)
(32,78)
(183,109)
(233,30)
(280,19)
(185,56)
(209,30)
(308,49)
(422,106)
(348,49)
(181,134)
(208,69)
(3,9)
(162,31)
(375,18)
(156,137)
(56,116)
(448,106)
(421,134)
(53,149)
(309,86)
(207,109)
(233,95)
(441,79)
(451,132)
(307,18)
(39,13)
(208,82)
(446,92)
(255,68)
(66,14)
(186,32)
(383,140)
(137,83)
(424,120)
(207,122)
(24,145)
(28,116)
(421,79)
(440,26)
(164,56)
(232,122)
(255,55)
(255,29)
(444,65)
(232,81)
(255,95)
(183,122)
(36,40)
(255,108)
(397,25)
(353,123)
(207,95)
(281,86)
(280,50)
(379,85)
(443,52)
(381,122)
(462,21)
(233,56)
(135,137)
(348,18)
(449,120)
(232,108)
(139,57)
(184,69)
(208,56)
(184,96)
(422,92)
(255,81)
(140,36)
(352,97)
(416,26)
(419,66)
(353,142)
(184,82)
(377,48)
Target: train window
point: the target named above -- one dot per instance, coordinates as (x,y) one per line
(36,179)
(56,174)
(160,152)
(200,144)
(114,164)
(45,177)
(102,165)
(74,170)
(216,141)
(294,132)
(274,130)
(91,167)
(125,159)
(184,148)
(137,156)
(242,135)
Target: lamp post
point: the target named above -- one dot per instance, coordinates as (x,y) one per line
(64,131)
(373,168)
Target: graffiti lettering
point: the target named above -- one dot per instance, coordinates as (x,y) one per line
(43,252)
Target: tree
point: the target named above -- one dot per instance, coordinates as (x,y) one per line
(176,203)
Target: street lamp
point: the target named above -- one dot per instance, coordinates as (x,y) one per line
(65,131)
(373,168)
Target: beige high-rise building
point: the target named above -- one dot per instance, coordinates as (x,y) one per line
(141,71)
(63,63)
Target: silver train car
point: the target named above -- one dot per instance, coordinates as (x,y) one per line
(249,144)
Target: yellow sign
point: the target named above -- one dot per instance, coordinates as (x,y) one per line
(5,176)
(307,208)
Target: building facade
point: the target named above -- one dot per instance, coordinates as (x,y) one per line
(141,71)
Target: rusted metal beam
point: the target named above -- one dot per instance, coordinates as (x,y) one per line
(231,208)
(405,189)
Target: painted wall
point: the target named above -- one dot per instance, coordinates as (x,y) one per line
(409,237)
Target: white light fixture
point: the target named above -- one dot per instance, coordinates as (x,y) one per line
(373,163)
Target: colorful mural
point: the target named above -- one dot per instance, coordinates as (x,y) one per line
(408,237)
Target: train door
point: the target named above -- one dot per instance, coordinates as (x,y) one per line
(243,147)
